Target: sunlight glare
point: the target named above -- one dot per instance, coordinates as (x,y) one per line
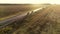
(30,1)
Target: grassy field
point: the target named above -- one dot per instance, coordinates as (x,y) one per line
(30,22)
(46,21)
(8,10)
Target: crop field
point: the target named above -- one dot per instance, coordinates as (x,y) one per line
(9,10)
(44,21)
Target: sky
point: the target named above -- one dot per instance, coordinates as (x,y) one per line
(29,1)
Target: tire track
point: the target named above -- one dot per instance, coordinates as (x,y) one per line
(32,24)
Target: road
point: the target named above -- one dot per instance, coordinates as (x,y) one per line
(15,18)
(46,22)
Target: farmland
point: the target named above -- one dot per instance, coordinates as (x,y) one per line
(9,10)
(44,21)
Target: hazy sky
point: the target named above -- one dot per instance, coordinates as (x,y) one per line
(30,1)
